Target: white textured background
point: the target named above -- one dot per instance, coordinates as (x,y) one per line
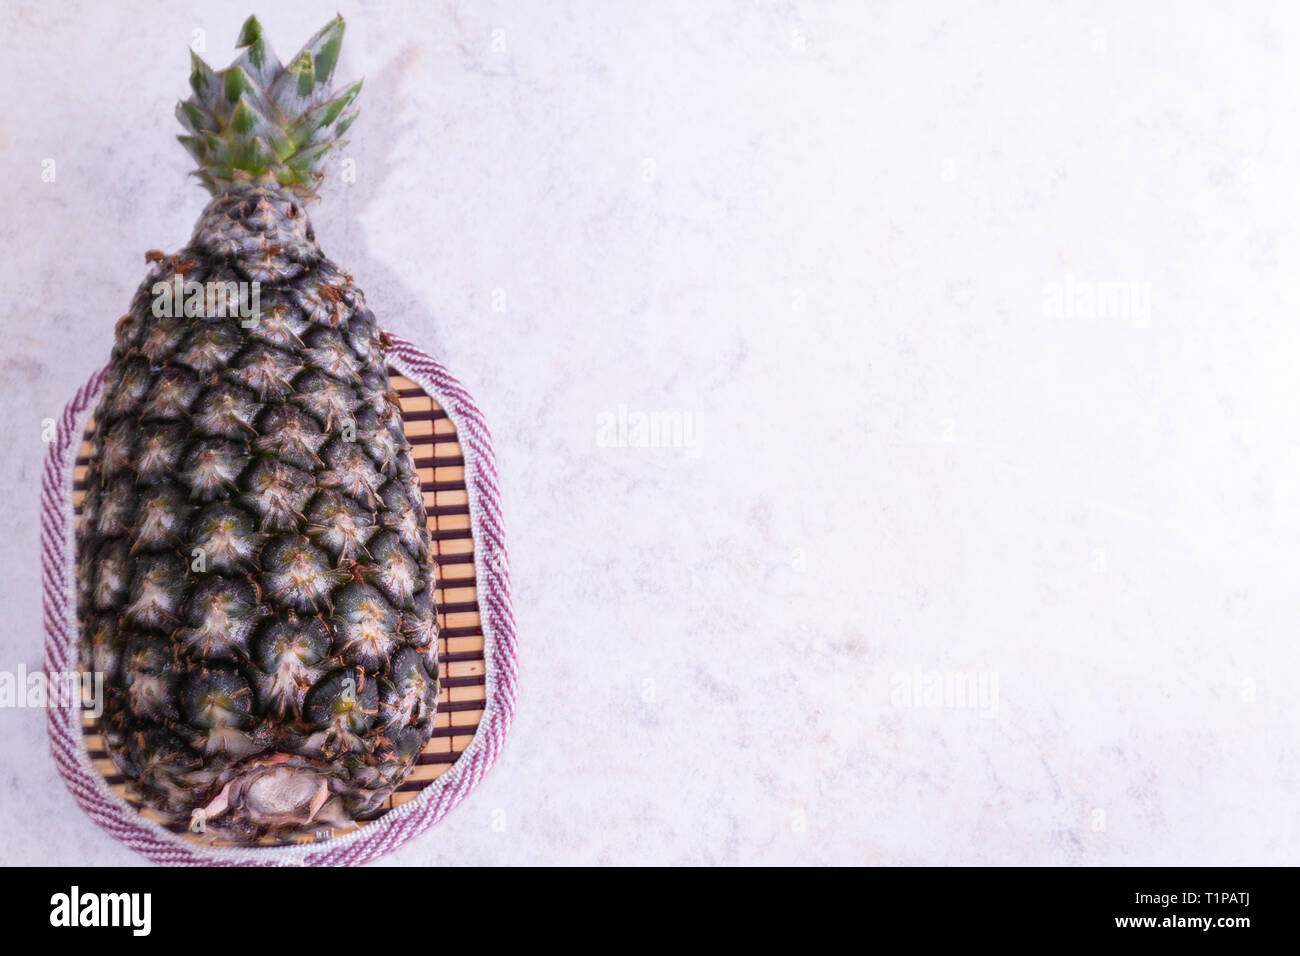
(830,234)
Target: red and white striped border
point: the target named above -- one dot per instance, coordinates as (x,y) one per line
(500,649)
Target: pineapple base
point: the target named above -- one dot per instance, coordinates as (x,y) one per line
(280,796)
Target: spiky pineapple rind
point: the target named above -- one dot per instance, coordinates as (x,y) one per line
(299,655)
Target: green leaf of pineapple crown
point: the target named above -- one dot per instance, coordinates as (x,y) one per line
(261,121)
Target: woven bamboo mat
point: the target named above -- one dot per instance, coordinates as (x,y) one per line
(462,690)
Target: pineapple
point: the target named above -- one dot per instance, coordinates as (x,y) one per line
(254,572)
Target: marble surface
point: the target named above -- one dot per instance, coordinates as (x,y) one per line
(972,335)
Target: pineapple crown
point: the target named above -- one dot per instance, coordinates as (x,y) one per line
(260,121)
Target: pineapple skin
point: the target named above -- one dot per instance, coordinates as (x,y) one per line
(254,570)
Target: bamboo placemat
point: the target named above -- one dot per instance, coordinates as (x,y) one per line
(440,463)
